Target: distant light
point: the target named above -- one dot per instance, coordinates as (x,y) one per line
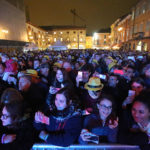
(5,31)
(31,37)
(120,29)
(95,36)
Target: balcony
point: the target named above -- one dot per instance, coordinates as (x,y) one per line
(138,35)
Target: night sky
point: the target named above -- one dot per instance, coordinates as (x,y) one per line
(97,14)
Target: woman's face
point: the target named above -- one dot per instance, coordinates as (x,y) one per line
(5,117)
(137,87)
(60,102)
(140,112)
(59,76)
(105,108)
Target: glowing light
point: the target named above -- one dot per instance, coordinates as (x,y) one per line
(5,31)
(95,36)
(31,37)
(120,29)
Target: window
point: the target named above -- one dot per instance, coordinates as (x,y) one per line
(61,32)
(74,39)
(74,32)
(67,32)
(148,26)
(104,36)
(81,40)
(55,39)
(54,32)
(141,27)
(61,39)
(135,29)
(81,32)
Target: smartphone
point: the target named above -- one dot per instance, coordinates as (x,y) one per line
(45,120)
(94,139)
(131,93)
(102,76)
(120,72)
(131,57)
(140,57)
(80,74)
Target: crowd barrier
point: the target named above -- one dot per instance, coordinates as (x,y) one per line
(85,147)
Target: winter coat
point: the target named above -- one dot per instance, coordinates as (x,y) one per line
(93,124)
(64,128)
(130,132)
(25,136)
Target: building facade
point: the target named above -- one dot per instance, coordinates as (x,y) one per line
(73,37)
(101,41)
(132,32)
(140,26)
(37,37)
(12,23)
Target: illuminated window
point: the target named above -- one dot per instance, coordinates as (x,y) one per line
(81,40)
(61,32)
(54,32)
(61,39)
(55,39)
(74,39)
(68,39)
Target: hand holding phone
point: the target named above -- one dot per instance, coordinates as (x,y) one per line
(131,93)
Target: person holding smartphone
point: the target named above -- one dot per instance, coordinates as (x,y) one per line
(63,125)
(101,127)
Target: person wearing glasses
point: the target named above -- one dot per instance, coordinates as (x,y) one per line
(101,127)
(17,132)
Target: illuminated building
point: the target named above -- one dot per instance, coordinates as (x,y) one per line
(140,26)
(120,31)
(38,36)
(74,37)
(12,24)
(101,40)
(132,32)
(89,43)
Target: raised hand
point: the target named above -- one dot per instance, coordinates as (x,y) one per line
(8,138)
(113,124)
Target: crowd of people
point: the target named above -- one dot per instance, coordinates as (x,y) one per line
(74,97)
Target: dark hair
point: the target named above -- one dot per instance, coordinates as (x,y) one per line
(15,109)
(108,97)
(64,72)
(143,97)
(139,81)
(11,94)
(112,116)
(67,93)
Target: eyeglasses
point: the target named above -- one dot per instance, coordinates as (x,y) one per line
(105,107)
(136,87)
(3,116)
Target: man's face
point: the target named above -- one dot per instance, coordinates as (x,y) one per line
(36,64)
(24,84)
(86,75)
(44,71)
(112,81)
(129,73)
